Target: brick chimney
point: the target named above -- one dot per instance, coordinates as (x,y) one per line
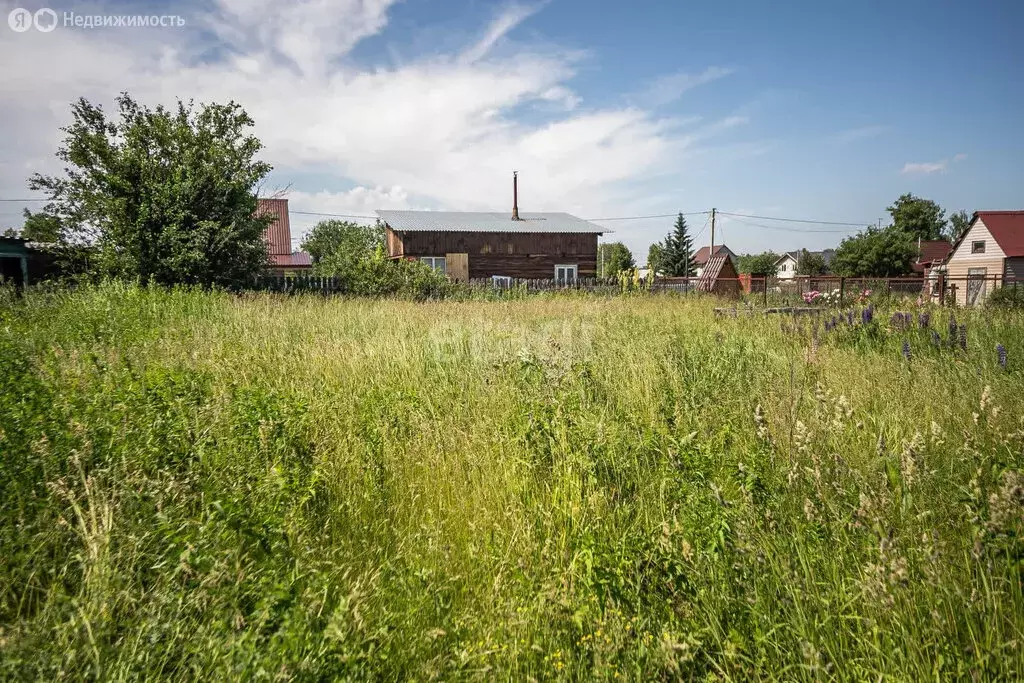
(515,195)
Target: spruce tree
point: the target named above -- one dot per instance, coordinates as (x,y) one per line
(678,254)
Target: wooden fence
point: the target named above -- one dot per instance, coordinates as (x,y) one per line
(965,290)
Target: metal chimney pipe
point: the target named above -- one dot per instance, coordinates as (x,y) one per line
(515,195)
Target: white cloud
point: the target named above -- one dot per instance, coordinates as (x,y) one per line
(667,89)
(932,166)
(442,130)
(925,167)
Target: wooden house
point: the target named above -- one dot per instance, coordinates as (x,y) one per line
(988,254)
(497,245)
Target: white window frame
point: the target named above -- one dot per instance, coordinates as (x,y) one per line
(436,262)
(566,267)
(975,244)
(501,281)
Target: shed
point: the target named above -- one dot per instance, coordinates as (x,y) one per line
(719,276)
(14,255)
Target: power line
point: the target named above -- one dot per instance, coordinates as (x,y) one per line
(776,227)
(639,218)
(24,200)
(336,215)
(793,220)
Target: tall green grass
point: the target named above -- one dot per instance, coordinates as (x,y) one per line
(206,486)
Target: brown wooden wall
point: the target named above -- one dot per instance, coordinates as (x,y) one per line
(520,255)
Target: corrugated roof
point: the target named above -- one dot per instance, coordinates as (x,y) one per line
(712,271)
(299,259)
(279,233)
(485,221)
(930,252)
(1007,228)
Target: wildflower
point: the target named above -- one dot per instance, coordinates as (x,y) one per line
(908,459)
(1006,506)
(924,319)
(963,337)
(761,423)
(808,510)
(849,317)
(1001,352)
(906,350)
(952,330)
(936,339)
(867,315)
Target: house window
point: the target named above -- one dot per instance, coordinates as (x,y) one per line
(501,281)
(435,262)
(508,247)
(978,247)
(485,249)
(566,273)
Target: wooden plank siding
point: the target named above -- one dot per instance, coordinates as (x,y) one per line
(1014,269)
(961,261)
(514,254)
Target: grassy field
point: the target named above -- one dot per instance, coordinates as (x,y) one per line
(202,486)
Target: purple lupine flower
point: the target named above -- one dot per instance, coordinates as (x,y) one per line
(936,339)
(896,320)
(849,317)
(952,330)
(924,319)
(963,337)
(867,315)
(906,350)
(1001,352)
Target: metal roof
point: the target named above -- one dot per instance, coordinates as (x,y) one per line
(486,221)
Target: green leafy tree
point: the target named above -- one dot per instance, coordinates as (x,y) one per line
(337,246)
(920,218)
(761,265)
(166,195)
(656,258)
(613,258)
(875,252)
(810,263)
(38,227)
(678,253)
(959,223)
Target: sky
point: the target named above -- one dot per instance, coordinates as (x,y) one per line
(809,110)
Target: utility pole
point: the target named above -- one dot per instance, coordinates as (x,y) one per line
(712,253)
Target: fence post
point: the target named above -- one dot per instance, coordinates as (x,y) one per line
(842,289)
(764,286)
(940,284)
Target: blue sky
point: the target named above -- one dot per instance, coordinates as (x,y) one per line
(826,111)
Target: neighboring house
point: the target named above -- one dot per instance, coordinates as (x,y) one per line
(930,253)
(786,266)
(989,253)
(928,263)
(700,259)
(497,245)
(283,260)
(14,257)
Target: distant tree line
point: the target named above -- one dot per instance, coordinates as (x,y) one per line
(875,251)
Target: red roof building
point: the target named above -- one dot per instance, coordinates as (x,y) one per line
(283,261)
(930,253)
(989,254)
